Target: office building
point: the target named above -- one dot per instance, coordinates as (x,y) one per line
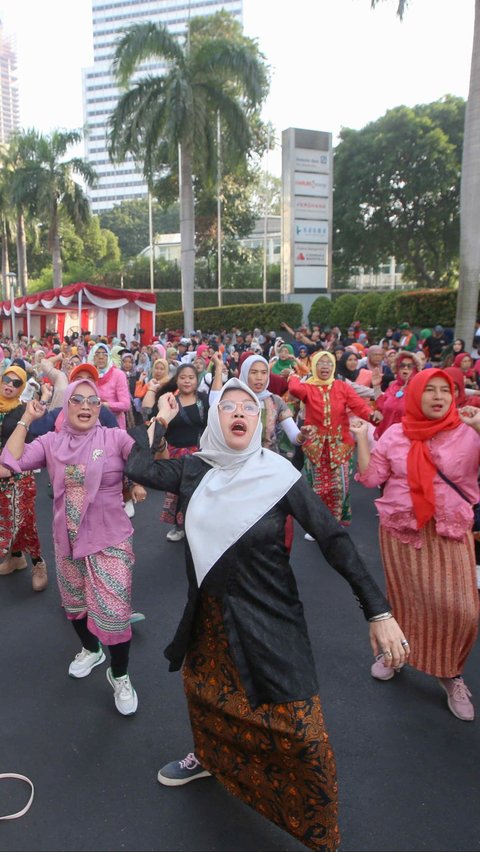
(100,93)
(9,111)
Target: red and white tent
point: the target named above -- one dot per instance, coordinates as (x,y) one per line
(77,307)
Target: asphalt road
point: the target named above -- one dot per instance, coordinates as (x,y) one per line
(409,772)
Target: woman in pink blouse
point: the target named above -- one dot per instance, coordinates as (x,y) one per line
(112,384)
(428,465)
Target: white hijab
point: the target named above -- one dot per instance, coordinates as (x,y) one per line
(242,486)
(245,369)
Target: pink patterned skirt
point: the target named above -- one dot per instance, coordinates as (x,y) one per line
(99,585)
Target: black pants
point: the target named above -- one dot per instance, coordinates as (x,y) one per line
(118,653)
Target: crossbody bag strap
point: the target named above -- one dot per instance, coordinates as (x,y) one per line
(455,487)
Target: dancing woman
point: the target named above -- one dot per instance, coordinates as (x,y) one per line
(248,670)
(428,464)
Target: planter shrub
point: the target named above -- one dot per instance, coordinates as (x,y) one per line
(321,311)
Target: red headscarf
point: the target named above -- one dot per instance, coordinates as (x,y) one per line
(458,378)
(458,363)
(419,429)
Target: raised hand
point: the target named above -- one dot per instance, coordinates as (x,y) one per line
(167,407)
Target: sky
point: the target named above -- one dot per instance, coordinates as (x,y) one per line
(333,63)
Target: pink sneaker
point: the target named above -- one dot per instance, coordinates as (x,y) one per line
(458,698)
(380,671)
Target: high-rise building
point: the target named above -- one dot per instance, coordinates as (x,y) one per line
(122,182)
(9,111)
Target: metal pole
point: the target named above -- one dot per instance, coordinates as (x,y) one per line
(28,322)
(265,222)
(219,212)
(150,236)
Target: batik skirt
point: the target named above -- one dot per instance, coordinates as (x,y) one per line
(332,484)
(276,758)
(18,525)
(169,514)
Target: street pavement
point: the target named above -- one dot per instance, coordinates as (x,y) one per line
(409,772)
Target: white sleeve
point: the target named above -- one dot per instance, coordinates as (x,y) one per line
(291,429)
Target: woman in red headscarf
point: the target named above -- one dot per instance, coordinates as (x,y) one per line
(458,378)
(429,465)
(392,402)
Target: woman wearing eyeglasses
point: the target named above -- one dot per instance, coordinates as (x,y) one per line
(392,402)
(91,531)
(248,672)
(18,525)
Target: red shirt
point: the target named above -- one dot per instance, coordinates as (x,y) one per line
(343,399)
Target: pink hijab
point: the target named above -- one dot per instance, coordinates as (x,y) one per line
(74,447)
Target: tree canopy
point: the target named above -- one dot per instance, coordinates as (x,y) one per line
(397,188)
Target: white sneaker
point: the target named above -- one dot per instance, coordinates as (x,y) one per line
(175,534)
(308,537)
(85,661)
(126,700)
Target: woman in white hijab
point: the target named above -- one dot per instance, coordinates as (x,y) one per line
(248,667)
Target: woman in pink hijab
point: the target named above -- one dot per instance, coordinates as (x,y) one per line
(91,531)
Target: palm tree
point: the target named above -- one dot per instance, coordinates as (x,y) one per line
(5,221)
(56,192)
(469,281)
(174,115)
(16,162)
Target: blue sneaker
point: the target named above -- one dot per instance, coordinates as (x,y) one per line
(180,772)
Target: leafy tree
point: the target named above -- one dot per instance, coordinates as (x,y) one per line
(129,222)
(205,77)
(397,192)
(469,282)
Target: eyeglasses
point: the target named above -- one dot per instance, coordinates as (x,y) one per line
(406,365)
(77,399)
(249,408)
(7,380)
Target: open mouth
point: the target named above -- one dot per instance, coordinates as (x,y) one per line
(238,428)
(84,416)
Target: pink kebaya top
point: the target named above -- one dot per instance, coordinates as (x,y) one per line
(456,453)
(113,391)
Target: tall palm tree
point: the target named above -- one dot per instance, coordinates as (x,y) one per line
(160,118)
(56,192)
(469,282)
(5,222)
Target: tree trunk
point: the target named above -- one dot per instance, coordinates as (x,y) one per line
(21,254)
(5,263)
(187,237)
(467,300)
(54,240)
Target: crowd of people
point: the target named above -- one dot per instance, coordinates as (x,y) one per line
(265,431)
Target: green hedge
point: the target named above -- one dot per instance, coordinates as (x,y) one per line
(343,310)
(366,311)
(426,308)
(321,311)
(247,317)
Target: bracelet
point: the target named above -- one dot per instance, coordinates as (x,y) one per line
(300,439)
(382,617)
(162,422)
(21,423)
